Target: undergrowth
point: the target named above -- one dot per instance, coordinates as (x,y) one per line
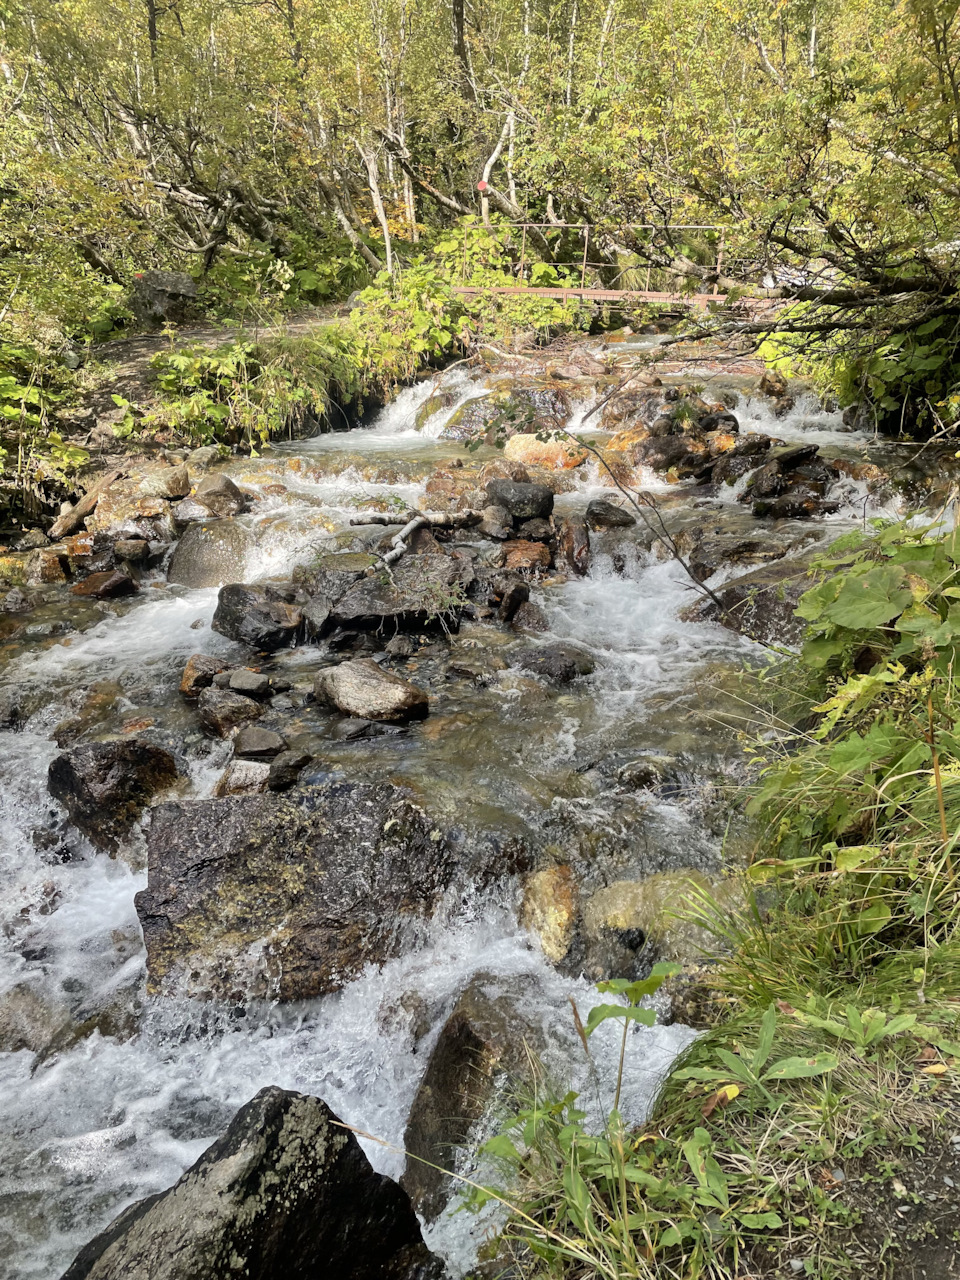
(835,980)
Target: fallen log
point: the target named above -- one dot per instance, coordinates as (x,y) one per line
(72,519)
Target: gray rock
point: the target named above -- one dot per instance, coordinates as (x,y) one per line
(221,496)
(481,1041)
(412,596)
(285,896)
(255,743)
(104,786)
(210,553)
(204,457)
(400,647)
(608,515)
(285,769)
(32,540)
(361,688)
(496,523)
(133,550)
(329,576)
(538,530)
(160,296)
(530,617)
(285,1192)
(257,616)
(221,711)
(760,604)
(560,662)
(168,482)
(252,684)
(523,501)
(188,512)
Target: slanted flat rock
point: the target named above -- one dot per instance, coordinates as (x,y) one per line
(760,604)
(285,896)
(362,688)
(483,1038)
(285,1192)
(221,711)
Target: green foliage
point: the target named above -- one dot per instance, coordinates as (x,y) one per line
(247,393)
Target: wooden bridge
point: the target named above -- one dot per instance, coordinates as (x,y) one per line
(583,264)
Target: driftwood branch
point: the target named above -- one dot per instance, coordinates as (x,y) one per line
(417,520)
(72,519)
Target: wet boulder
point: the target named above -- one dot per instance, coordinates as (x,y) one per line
(210,553)
(361,688)
(221,711)
(221,496)
(530,617)
(104,786)
(437,403)
(496,522)
(199,674)
(330,575)
(257,616)
(523,501)
(256,743)
(414,594)
(286,1191)
(166,482)
(110,584)
(686,456)
(285,769)
(573,544)
(759,604)
(550,909)
(132,550)
(559,662)
(482,1041)
(285,896)
(601,514)
(523,556)
(472,419)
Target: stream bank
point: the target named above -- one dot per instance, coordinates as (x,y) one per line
(573,766)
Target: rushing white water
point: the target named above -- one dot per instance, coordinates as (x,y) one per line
(124,1095)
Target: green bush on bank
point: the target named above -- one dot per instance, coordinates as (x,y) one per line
(836,985)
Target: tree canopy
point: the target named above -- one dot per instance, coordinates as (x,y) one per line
(298,146)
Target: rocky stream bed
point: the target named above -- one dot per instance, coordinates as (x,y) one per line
(278,814)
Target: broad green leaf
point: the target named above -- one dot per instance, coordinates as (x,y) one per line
(801,1068)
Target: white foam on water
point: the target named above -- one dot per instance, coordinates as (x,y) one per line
(109,1122)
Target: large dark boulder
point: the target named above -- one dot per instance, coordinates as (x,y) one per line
(416,592)
(760,604)
(523,501)
(104,786)
(483,1041)
(210,553)
(257,616)
(285,896)
(285,1194)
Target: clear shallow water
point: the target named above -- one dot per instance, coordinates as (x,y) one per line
(126,1096)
